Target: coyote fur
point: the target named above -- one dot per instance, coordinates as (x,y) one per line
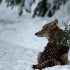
(53,54)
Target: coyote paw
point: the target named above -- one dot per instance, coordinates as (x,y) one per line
(34,67)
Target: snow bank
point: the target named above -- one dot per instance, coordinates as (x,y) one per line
(14,57)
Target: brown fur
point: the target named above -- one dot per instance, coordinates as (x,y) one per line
(53,54)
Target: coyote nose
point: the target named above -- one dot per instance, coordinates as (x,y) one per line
(35,33)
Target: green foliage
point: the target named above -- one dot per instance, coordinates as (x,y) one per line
(18,1)
(41,9)
(0,1)
(44,7)
(11,3)
(62,37)
(64,1)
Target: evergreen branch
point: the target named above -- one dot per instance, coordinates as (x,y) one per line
(65,39)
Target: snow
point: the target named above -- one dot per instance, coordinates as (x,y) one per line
(27,5)
(14,57)
(68,25)
(20,30)
(19,46)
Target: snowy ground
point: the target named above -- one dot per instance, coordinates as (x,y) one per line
(18,44)
(14,57)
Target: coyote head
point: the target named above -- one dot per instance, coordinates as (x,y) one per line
(48,29)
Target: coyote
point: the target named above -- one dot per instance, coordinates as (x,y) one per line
(53,54)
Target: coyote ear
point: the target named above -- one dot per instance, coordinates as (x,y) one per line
(55,22)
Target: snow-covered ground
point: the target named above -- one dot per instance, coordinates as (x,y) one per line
(18,44)
(14,57)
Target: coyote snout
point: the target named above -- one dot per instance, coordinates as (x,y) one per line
(41,33)
(49,30)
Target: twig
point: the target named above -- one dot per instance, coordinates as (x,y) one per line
(7,29)
(66,26)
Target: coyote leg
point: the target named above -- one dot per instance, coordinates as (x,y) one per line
(40,58)
(64,59)
(48,63)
